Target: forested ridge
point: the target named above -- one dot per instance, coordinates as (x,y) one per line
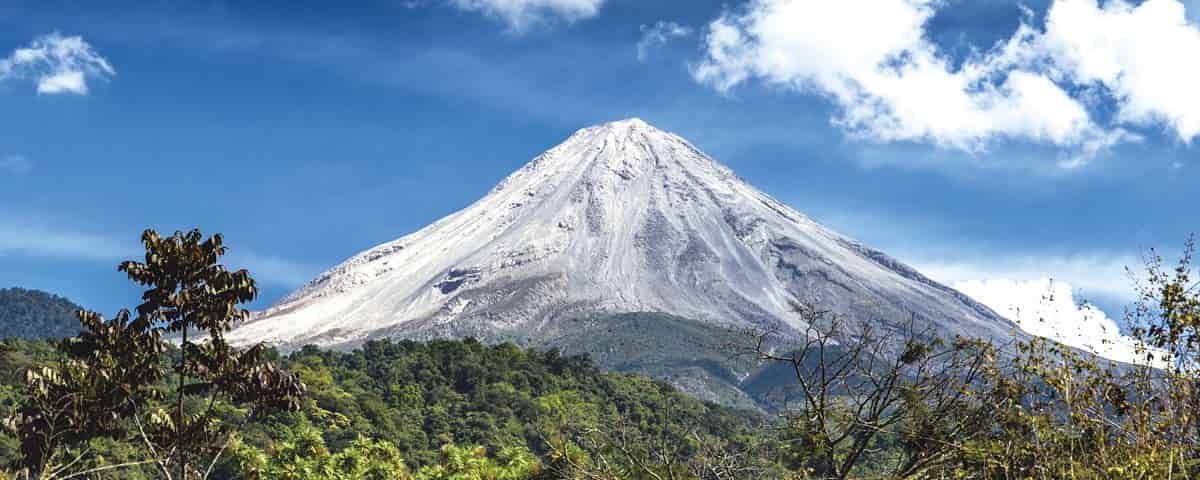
(427,399)
(35,314)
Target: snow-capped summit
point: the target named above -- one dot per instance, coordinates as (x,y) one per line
(620,217)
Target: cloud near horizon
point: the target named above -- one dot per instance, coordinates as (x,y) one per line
(1041,85)
(520,15)
(1048,309)
(57,64)
(1095,276)
(272,269)
(28,236)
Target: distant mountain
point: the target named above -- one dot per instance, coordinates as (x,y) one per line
(34,314)
(621,218)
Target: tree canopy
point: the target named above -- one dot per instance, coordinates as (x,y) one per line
(33,314)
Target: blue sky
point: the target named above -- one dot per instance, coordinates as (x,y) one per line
(306,132)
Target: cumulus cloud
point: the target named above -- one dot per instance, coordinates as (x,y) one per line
(522,14)
(890,81)
(1019,287)
(1142,56)
(1048,309)
(659,34)
(893,84)
(57,64)
(15,164)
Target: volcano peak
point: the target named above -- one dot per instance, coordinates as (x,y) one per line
(630,123)
(621,217)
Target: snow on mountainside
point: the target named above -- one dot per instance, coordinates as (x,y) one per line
(621,217)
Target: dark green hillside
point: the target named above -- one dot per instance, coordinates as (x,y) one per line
(33,314)
(688,354)
(694,356)
(421,397)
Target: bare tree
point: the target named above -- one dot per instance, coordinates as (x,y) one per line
(859,390)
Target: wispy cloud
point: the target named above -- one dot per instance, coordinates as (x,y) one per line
(520,15)
(56,64)
(32,236)
(528,82)
(891,83)
(657,35)
(15,164)
(272,270)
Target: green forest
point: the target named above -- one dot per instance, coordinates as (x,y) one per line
(430,410)
(32,314)
(156,392)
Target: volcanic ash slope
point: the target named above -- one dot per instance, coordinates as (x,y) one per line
(621,217)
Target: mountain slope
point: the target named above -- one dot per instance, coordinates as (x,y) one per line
(690,355)
(33,314)
(619,218)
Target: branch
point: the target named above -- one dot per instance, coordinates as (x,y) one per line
(105,468)
(228,441)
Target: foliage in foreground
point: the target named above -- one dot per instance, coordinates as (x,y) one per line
(1030,409)
(867,403)
(107,384)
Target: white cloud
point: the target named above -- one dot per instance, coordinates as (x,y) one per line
(520,15)
(57,64)
(889,80)
(64,82)
(1093,275)
(658,35)
(15,164)
(874,60)
(32,236)
(1143,56)
(1048,309)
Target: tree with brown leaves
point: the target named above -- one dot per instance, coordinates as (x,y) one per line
(108,386)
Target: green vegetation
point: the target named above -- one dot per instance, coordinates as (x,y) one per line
(445,402)
(688,354)
(431,410)
(107,384)
(31,314)
(422,396)
(117,401)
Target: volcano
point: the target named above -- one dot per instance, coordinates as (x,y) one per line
(619,218)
